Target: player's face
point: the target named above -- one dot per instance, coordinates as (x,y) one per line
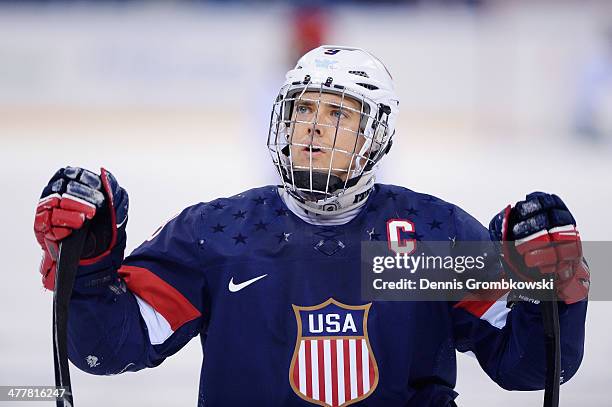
(315,127)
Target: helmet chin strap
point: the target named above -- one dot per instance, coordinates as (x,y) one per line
(353,197)
(319,183)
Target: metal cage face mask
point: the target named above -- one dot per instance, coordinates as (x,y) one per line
(322,139)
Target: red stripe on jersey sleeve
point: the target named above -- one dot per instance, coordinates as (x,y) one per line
(164,298)
(476,307)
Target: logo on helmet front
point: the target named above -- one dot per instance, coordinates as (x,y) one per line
(326,63)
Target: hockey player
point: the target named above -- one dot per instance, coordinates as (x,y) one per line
(270,278)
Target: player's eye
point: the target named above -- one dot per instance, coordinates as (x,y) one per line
(302,109)
(339,113)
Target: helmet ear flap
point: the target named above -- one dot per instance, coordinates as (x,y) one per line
(389,144)
(383,115)
(381,128)
(288,111)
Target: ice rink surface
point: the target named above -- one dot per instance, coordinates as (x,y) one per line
(168,160)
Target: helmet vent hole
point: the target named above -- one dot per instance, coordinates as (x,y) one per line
(368,86)
(359,73)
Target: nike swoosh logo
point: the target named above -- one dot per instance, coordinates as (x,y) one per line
(237,287)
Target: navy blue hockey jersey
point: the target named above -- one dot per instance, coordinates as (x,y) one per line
(277,305)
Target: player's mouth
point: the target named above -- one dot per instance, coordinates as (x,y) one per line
(316,151)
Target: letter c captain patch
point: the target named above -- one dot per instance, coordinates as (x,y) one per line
(333,363)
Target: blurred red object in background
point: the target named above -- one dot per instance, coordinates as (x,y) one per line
(309,30)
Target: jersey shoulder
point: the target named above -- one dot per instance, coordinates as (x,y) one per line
(401,196)
(431,209)
(237,207)
(234,227)
(242,205)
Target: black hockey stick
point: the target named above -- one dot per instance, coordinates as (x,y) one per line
(68,262)
(550,318)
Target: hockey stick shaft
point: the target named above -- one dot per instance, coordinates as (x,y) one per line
(70,250)
(550,318)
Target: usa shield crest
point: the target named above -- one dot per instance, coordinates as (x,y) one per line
(333,363)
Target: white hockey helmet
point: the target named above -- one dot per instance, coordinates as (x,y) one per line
(350,73)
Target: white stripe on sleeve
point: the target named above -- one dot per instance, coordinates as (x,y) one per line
(158,327)
(498,312)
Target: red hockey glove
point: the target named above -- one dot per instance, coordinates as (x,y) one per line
(72,196)
(539,237)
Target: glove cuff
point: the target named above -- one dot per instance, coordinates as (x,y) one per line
(107,184)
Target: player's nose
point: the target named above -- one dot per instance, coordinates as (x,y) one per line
(319,128)
(316,129)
